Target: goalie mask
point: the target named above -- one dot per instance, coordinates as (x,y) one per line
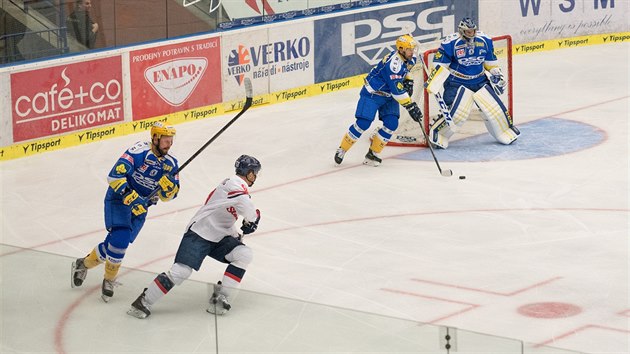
(467,28)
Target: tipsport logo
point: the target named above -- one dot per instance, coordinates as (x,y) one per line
(372,38)
(269,59)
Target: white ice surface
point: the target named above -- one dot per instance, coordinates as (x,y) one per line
(397,240)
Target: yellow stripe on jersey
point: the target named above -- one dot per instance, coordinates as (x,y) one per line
(117,184)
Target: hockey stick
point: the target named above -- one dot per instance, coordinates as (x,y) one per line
(445,173)
(248,103)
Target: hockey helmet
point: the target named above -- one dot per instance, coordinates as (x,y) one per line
(405,42)
(245,164)
(467,23)
(161,129)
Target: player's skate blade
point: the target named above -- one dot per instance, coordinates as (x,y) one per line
(107,289)
(138,308)
(339,154)
(219,304)
(371,159)
(78,272)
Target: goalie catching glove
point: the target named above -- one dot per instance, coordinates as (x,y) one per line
(414,111)
(249,227)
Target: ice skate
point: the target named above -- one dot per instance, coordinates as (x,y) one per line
(78,272)
(107,289)
(140,308)
(371,159)
(339,154)
(219,304)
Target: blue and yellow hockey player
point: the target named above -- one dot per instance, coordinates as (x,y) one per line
(387,85)
(460,67)
(142,168)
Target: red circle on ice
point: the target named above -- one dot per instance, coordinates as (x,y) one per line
(549,310)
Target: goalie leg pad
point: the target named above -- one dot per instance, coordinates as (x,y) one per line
(440,132)
(460,110)
(496,116)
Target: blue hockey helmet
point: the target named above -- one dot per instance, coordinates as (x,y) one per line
(467,23)
(245,163)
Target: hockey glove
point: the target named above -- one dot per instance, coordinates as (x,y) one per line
(129,196)
(249,227)
(167,182)
(139,206)
(169,187)
(408,85)
(414,111)
(498,81)
(138,209)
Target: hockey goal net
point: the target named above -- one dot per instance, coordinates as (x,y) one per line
(408,132)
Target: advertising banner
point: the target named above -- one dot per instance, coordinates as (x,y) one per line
(275,60)
(538,20)
(350,45)
(175,77)
(66,98)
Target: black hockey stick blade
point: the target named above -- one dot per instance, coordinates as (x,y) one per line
(444,173)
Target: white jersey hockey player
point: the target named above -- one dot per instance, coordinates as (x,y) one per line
(212,232)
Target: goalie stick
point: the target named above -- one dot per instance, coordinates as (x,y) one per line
(248,103)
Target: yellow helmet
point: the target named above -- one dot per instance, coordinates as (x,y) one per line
(405,42)
(160,129)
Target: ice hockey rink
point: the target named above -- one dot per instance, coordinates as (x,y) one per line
(532,245)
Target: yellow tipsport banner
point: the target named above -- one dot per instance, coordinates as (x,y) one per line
(573,42)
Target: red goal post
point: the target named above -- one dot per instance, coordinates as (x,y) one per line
(408,133)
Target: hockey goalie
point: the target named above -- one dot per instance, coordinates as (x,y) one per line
(466,68)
